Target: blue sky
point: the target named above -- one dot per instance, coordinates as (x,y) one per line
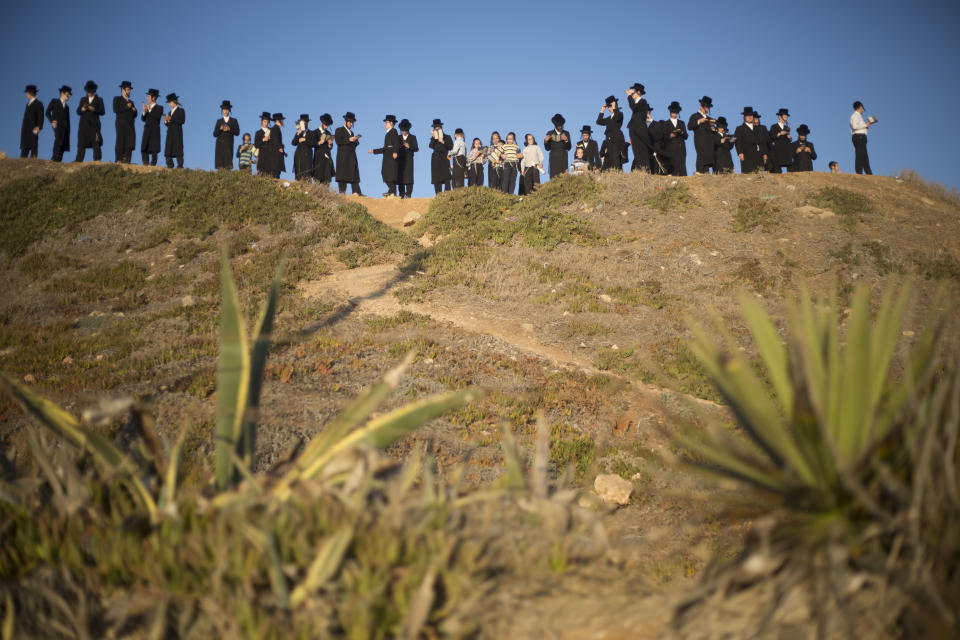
(499,65)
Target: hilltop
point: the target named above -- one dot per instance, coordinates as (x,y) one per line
(575,302)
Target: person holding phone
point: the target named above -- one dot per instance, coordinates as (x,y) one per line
(90,111)
(151,114)
(442,144)
(858,133)
(173,145)
(322,160)
(126,116)
(348,169)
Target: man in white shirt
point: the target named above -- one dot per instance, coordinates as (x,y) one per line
(858,129)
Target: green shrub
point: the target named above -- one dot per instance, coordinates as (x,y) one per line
(755,212)
(674,197)
(842,202)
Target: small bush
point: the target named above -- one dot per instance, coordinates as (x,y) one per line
(755,212)
(880,253)
(578,453)
(939,266)
(674,197)
(933,189)
(842,202)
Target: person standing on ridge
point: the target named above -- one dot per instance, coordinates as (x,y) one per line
(781,144)
(614,142)
(322,160)
(90,110)
(59,116)
(391,155)
(704,135)
(408,147)
(640,140)
(126,117)
(151,114)
(32,123)
(558,143)
(173,145)
(858,132)
(348,170)
(224,130)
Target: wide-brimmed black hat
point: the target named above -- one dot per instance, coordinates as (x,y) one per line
(304,117)
(610,100)
(803,130)
(636,86)
(390,118)
(405,125)
(30,88)
(586,129)
(326,119)
(458,130)
(756,114)
(90,87)
(172,97)
(783,112)
(348,116)
(674,107)
(747,111)
(125,84)
(153,92)
(65,89)
(437,123)
(265,116)
(722,122)
(226,105)
(705,101)
(558,120)
(277,116)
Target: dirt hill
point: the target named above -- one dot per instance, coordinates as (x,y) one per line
(574,302)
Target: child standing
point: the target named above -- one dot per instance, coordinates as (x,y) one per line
(247,154)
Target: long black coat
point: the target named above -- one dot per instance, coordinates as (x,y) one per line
(753,145)
(173,146)
(704,138)
(88,132)
(722,161)
(781,147)
(389,169)
(150,143)
(405,160)
(559,150)
(803,160)
(614,141)
(268,157)
(637,126)
(675,148)
(126,113)
(56,111)
(347,168)
(322,160)
(223,154)
(304,141)
(659,164)
(276,133)
(591,154)
(439,164)
(32,118)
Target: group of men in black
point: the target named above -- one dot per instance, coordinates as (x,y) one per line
(658,147)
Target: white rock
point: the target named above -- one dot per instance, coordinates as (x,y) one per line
(188,301)
(67,360)
(411,218)
(612,488)
(605,298)
(615,348)
(29,378)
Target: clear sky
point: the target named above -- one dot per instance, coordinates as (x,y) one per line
(501,65)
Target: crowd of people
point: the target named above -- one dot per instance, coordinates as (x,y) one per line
(656,146)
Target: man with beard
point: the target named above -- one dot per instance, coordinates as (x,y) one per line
(391,154)
(674,141)
(704,130)
(151,114)
(173,145)
(640,139)
(32,123)
(268,160)
(224,130)
(90,110)
(591,154)
(558,143)
(441,143)
(751,146)
(408,147)
(59,116)
(322,160)
(277,135)
(126,116)
(348,170)
(304,140)
(781,146)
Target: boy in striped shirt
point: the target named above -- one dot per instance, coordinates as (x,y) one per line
(510,155)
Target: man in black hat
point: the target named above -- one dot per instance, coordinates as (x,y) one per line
(304,140)
(348,170)
(322,160)
(781,145)
(674,141)
(268,160)
(441,143)
(391,153)
(640,139)
(704,130)
(458,158)
(277,135)
(803,152)
(151,114)
(557,141)
(763,138)
(750,143)
(408,147)
(32,123)
(591,154)
(224,130)
(90,110)
(126,115)
(173,146)
(614,143)
(723,143)
(59,117)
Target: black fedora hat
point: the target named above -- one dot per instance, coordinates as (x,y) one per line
(437,123)
(277,116)
(125,84)
(90,87)
(803,130)
(610,100)
(30,88)
(722,122)
(304,117)
(226,105)
(172,97)
(674,107)
(153,92)
(783,112)
(586,129)
(705,101)
(65,89)
(405,125)
(458,130)
(558,120)
(326,119)
(747,111)
(349,117)
(636,86)
(756,114)
(390,118)
(265,116)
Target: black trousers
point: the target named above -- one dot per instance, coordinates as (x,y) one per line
(121,156)
(641,155)
(170,160)
(508,177)
(459,171)
(442,186)
(354,187)
(531,177)
(149,158)
(59,142)
(82,151)
(704,167)
(861,159)
(475,175)
(494,175)
(406,190)
(31,149)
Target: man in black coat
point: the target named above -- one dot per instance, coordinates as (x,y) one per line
(781,145)
(90,110)
(640,139)
(408,147)
(322,160)
(304,140)
(173,146)
(151,114)
(126,116)
(591,154)
(32,123)
(557,141)
(348,170)
(278,120)
(224,130)
(59,116)
(723,143)
(751,145)
(803,152)
(763,138)
(704,129)
(614,142)
(441,143)
(268,160)
(674,141)
(389,168)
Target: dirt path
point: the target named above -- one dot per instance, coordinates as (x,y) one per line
(395,212)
